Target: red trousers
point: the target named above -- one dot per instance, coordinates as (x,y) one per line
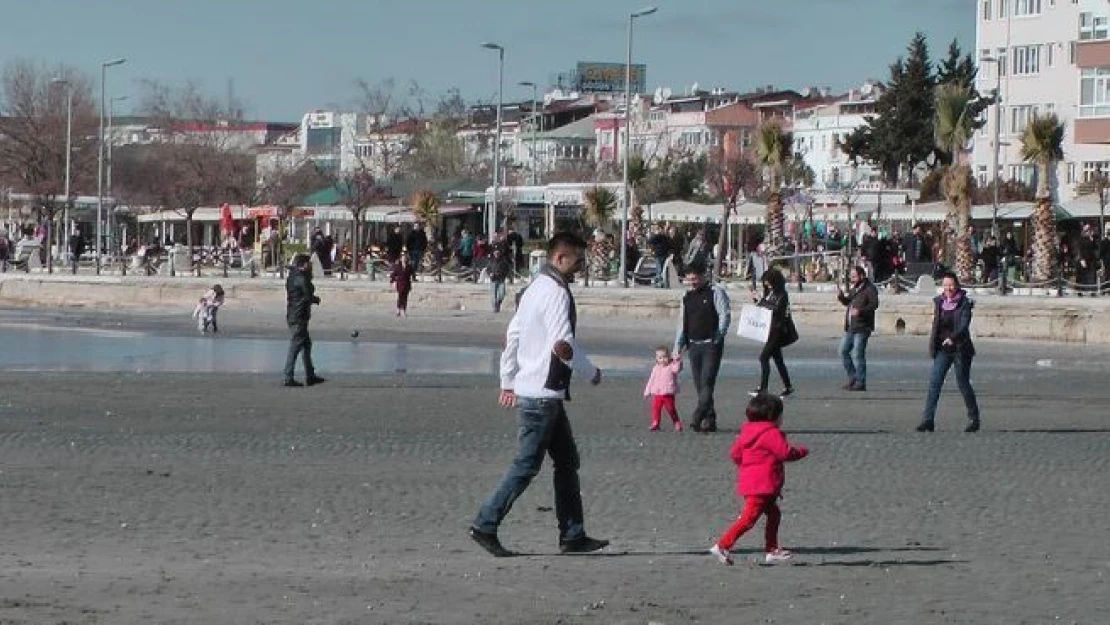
(658,403)
(754,507)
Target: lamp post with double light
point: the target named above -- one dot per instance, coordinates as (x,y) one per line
(100,161)
(491,225)
(626,195)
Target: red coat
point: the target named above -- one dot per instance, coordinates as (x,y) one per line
(759,453)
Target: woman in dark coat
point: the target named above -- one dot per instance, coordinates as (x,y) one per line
(782,333)
(950,345)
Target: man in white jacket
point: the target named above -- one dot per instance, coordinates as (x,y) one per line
(540,356)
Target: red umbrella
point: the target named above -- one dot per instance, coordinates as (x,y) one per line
(227,224)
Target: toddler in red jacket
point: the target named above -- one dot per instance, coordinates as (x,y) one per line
(759,452)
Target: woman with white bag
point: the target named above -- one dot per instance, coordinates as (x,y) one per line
(782,333)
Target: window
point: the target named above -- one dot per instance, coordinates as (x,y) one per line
(1048,54)
(1094,92)
(1003,61)
(364,151)
(1027,60)
(1024,173)
(1071,174)
(1071,52)
(1092,26)
(1091,169)
(987,10)
(981,175)
(1020,116)
(1002,4)
(1026,7)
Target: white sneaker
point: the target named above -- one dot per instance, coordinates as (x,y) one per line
(723,556)
(778,556)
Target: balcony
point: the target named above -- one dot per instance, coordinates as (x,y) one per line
(1093,54)
(1092,131)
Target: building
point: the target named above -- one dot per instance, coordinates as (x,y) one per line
(1045,56)
(819,132)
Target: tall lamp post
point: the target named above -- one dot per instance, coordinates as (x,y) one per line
(108,182)
(535,122)
(100,161)
(69,151)
(491,225)
(626,194)
(997,142)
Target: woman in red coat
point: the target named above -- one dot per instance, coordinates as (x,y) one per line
(760,451)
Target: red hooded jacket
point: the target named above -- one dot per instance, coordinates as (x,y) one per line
(759,453)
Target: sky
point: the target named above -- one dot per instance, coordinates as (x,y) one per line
(287,57)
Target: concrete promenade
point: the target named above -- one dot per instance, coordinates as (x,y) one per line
(1032,317)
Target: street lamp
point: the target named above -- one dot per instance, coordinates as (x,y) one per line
(997,131)
(626,193)
(108,182)
(535,121)
(491,224)
(100,161)
(69,152)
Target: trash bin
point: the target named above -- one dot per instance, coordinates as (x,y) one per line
(536,260)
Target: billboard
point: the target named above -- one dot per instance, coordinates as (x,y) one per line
(608,77)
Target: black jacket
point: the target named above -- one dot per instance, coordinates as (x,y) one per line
(300,295)
(417,242)
(865,299)
(961,334)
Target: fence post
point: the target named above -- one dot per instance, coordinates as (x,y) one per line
(1002,277)
(1060,279)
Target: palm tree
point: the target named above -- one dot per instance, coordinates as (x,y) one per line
(1042,143)
(953,126)
(774,146)
(637,173)
(601,203)
(425,205)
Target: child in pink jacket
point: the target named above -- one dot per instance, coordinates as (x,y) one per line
(760,451)
(662,386)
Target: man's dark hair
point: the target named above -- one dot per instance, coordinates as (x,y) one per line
(695,268)
(950,274)
(300,260)
(567,240)
(764,407)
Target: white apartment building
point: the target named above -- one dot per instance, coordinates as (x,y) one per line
(1045,56)
(820,131)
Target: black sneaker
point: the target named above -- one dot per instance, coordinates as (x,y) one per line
(490,543)
(754,392)
(582,545)
(313,380)
(972,427)
(786,392)
(291,383)
(925,426)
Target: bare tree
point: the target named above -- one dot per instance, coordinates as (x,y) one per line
(198,157)
(33,110)
(729,175)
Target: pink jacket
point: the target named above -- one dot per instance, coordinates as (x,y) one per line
(759,453)
(664,379)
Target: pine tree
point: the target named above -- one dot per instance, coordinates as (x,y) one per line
(958,68)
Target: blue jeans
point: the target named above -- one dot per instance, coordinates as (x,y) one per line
(853,352)
(941,364)
(543,428)
(705,364)
(497,294)
(661,277)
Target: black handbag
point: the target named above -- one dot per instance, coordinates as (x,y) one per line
(789,332)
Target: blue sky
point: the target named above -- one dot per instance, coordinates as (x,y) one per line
(287,56)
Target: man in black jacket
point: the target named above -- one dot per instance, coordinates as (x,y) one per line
(861,300)
(416,242)
(300,295)
(703,324)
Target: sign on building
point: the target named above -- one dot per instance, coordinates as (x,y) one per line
(608,77)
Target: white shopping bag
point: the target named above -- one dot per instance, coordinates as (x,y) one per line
(755,323)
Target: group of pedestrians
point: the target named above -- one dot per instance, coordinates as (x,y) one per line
(542,354)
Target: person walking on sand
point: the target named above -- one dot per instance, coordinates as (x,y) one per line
(300,296)
(950,346)
(401,277)
(861,301)
(499,270)
(782,334)
(541,353)
(759,452)
(703,323)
